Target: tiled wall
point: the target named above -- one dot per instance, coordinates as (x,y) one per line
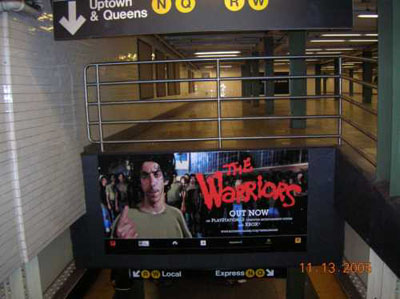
(42,132)
(9,249)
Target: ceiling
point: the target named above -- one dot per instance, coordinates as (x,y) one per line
(249,42)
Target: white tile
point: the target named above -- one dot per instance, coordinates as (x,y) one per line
(49,123)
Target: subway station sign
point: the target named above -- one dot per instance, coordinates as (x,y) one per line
(105,18)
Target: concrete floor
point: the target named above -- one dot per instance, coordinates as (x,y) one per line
(255,128)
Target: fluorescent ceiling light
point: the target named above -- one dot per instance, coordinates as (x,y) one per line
(363,40)
(329,53)
(340,34)
(216,56)
(371,34)
(217,53)
(339,49)
(367,16)
(222,67)
(330,49)
(327,40)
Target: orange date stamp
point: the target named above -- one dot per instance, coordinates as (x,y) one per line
(333,268)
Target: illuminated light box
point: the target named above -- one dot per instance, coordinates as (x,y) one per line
(232,208)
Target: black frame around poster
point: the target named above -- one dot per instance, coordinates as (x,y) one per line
(325,230)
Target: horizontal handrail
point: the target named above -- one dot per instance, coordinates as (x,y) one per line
(210,119)
(360,82)
(328,136)
(365,132)
(226,59)
(359,105)
(285,97)
(360,152)
(364,59)
(226,99)
(215,79)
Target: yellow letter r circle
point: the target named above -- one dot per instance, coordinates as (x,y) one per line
(258,4)
(234,5)
(185,6)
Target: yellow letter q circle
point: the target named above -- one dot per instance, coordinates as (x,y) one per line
(185,6)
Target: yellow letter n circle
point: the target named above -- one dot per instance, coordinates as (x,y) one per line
(161,7)
(258,4)
(234,5)
(185,6)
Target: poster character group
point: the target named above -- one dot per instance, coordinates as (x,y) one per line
(204,194)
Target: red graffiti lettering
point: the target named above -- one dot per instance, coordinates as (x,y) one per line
(215,193)
(235,168)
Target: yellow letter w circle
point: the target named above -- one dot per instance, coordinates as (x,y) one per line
(258,4)
(234,5)
(161,7)
(185,6)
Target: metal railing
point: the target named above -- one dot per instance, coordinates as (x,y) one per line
(361,106)
(98,83)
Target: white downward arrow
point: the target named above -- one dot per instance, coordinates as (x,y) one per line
(270,273)
(136,274)
(72,24)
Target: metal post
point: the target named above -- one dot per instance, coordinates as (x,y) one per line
(336,80)
(219,103)
(386,83)
(395,153)
(318,80)
(325,85)
(351,83)
(255,84)
(246,87)
(269,88)
(87,105)
(298,67)
(367,77)
(99,108)
(340,89)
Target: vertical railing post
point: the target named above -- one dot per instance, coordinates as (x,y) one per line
(219,103)
(99,108)
(89,135)
(340,89)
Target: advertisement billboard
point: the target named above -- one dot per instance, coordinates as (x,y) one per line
(226,210)
(204,201)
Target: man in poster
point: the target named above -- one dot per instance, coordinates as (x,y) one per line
(152,218)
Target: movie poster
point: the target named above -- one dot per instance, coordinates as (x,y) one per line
(200,195)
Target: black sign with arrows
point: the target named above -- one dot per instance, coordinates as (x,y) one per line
(105,18)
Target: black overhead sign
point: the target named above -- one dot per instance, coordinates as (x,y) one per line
(104,18)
